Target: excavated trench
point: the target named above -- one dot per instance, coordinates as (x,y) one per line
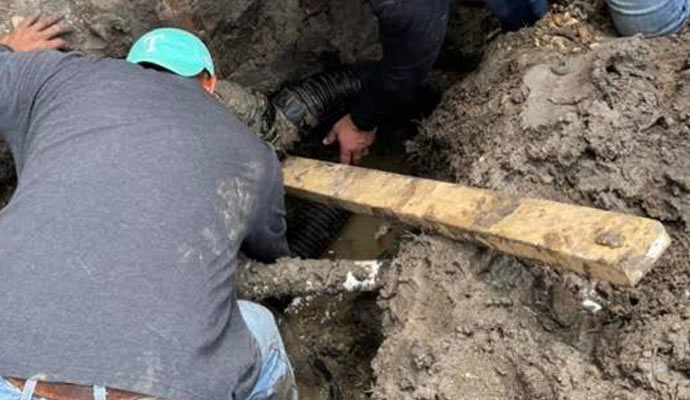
(564,110)
(334,338)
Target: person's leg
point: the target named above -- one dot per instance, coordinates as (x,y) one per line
(9,392)
(648,17)
(515,14)
(276,380)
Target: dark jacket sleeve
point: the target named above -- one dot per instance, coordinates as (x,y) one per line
(267,239)
(411,32)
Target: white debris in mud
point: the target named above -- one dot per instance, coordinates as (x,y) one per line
(297,305)
(352,284)
(590,299)
(591,306)
(326,318)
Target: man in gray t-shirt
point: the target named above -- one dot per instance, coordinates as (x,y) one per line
(136,190)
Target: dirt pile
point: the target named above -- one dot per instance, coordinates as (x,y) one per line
(98,27)
(256,43)
(463,322)
(567,112)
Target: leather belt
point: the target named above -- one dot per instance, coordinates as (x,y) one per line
(68,391)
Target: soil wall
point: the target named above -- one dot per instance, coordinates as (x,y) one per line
(564,111)
(258,43)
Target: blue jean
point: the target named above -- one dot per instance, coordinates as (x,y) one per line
(276,379)
(9,392)
(648,17)
(515,14)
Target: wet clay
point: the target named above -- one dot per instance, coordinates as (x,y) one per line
(568,112)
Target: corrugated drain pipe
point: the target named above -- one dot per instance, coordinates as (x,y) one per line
(312,103)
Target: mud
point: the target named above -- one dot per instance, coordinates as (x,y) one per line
(563,111)
(285,40)
(484,340)
(298,278)
(328,317)
(332,341)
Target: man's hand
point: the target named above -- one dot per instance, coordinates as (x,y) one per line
(36,33)
(354,143)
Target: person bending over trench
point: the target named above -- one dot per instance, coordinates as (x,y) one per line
(411,33)
(136,190)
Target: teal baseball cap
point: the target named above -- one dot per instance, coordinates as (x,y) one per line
(173,49)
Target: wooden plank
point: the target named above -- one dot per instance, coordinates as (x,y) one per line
(610,246)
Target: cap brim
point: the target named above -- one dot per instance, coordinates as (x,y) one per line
(178,67)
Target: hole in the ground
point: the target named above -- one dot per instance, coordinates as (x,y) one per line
(339,337)
(278,304)
(611,69)
(332,342)
(329,234)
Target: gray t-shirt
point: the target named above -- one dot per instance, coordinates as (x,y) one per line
(118,250)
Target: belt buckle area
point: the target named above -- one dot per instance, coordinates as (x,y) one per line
(54,391)
(67,391)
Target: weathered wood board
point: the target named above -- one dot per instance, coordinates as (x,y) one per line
(609,246)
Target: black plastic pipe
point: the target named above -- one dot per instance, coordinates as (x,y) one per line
(313,227)
(318,101)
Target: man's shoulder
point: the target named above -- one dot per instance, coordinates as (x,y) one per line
(81,58)
(55,59)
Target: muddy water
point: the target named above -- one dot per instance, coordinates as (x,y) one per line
(365,237)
